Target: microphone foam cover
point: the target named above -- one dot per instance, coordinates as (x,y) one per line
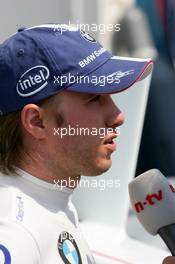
(153,200)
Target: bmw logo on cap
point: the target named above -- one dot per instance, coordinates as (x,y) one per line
(5,257)
(68,249)
(87,36)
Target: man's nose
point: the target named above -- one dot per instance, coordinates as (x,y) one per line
(114,116)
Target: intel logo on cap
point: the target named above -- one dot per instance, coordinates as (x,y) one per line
(33,81)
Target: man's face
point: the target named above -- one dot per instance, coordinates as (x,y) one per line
(87,152)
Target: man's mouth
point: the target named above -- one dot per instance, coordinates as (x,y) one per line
(110,138)
(109,142)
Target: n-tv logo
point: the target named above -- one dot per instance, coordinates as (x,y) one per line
(33,81)
(151,199)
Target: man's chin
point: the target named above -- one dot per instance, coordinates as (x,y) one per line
(99,168)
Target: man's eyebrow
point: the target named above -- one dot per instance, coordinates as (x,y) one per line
(87,96)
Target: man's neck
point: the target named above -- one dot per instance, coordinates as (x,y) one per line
(50,175)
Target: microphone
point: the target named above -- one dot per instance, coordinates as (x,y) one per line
(153,201)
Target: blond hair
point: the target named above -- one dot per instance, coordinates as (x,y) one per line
(11,138)
(10,142)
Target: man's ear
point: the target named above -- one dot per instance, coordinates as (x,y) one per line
(32,120)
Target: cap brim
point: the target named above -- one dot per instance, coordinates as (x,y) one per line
(114,76)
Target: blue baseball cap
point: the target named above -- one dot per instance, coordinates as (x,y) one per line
(39,62)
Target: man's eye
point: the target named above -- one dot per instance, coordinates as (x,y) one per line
(96,98)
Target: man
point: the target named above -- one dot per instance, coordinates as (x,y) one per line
(169,260)
(44,91)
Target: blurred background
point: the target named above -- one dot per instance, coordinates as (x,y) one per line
(132,28)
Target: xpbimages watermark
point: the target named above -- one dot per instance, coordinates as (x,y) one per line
(101,28)
(85,131)
(102,80)
(101,184)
